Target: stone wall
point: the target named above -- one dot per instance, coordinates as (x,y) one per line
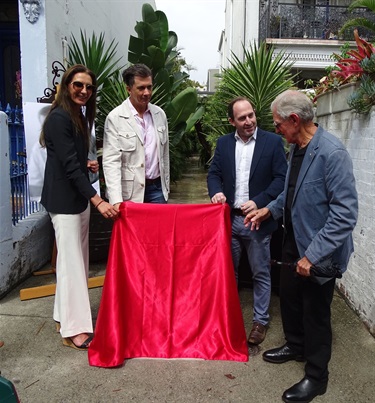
(358,134)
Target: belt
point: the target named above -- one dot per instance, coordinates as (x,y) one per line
(152,181)
(237,211)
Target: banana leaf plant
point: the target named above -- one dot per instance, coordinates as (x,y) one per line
(155,46)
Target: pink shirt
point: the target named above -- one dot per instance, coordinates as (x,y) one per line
(146,125)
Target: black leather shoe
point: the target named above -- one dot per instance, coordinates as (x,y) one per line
(304,391)
(281,354)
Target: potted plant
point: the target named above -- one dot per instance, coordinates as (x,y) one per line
(352,77)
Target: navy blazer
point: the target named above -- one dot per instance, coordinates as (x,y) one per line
(66,188)
(267,172)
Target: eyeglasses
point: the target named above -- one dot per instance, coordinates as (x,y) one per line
(78,86)
(278,124)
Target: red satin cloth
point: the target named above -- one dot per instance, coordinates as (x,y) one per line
(169,289)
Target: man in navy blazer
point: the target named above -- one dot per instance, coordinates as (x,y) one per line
(248,172)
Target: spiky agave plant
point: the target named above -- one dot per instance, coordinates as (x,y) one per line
(260,77)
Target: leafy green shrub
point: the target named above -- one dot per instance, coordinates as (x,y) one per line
(260,78)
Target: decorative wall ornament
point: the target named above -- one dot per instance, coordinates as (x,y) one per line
(58,70)
(31,9)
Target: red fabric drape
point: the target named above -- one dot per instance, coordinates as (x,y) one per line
(169,289)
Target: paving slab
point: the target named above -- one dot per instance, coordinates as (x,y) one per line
(43,370)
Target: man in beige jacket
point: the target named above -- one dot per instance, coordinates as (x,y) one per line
(135,145)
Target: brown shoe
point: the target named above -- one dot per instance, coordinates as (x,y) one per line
(1,343)
(257,334)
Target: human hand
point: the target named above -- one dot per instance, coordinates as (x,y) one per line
(218,198)
(107,210)
(248,207)
(303,267)
(93,166)
(255,217)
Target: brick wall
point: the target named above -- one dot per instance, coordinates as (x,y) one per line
(358,284)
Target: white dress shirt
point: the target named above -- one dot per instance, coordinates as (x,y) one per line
(244,157)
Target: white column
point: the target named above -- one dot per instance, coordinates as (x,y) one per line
(6,231)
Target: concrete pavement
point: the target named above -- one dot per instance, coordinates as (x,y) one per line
(45,371)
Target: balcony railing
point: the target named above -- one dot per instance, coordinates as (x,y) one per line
(298,21)
(22,206)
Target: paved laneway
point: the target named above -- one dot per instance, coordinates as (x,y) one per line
(45,371)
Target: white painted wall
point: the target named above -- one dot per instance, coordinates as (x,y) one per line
(241,28)
(41,42)
(27,246)
(6,253)
(358,283)
(34,67)
(252,22)
(234,31)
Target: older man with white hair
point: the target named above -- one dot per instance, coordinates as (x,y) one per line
(319,206)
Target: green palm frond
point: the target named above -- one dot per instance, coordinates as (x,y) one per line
(94,54)
(113,93)
(370,4)
(260,77)
(103,62)
(360,21)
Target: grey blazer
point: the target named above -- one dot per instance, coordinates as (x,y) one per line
(325,204)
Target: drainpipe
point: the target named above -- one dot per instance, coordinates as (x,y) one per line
(244,28)
(65,52)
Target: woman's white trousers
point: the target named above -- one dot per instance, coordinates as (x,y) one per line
(72,305)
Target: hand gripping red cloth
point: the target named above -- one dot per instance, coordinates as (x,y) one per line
(169,289)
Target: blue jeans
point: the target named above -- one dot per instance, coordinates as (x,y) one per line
(258,253)
(154,193)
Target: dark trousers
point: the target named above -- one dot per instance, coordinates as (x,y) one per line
(154,192)
(306,317)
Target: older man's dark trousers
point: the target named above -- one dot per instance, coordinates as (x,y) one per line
(306,317)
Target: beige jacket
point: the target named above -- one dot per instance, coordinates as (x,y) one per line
(124,157)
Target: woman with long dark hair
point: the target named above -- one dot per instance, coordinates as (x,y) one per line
(66,134)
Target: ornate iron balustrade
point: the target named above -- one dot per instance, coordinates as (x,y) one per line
(299,21)
(21,204)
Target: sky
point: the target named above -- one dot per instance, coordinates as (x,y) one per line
(198,25)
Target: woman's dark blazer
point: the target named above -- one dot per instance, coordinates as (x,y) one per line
(66,188)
